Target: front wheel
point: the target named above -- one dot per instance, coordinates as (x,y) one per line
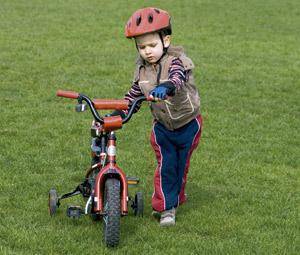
(112,212)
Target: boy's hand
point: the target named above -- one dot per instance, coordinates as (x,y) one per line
(162,91)
(159,93)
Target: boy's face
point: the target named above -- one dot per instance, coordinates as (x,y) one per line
(150,46)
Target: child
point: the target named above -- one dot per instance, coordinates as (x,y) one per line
(164,73)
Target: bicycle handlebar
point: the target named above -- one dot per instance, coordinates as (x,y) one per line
(111,104)
(107,104)
(67,94)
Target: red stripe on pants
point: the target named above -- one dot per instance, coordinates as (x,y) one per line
(182,195)
(158,198)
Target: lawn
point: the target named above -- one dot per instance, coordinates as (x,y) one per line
(243,184)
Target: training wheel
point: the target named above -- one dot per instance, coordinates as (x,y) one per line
(138,204)
(52,202)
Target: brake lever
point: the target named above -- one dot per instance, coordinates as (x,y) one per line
(152,99)
(167,102)
(80,107)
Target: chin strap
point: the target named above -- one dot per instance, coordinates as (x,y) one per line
(159,71)
(165,49)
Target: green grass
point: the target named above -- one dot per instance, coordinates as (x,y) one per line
(244,179)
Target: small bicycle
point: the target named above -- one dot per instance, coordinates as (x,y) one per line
(105,186)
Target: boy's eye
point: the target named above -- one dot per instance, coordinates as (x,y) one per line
(152,45)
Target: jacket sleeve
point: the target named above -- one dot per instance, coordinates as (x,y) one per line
(177,73)
(133,93)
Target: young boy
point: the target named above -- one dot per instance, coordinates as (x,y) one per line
(164,73)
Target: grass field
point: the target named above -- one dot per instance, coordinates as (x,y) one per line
(243,184)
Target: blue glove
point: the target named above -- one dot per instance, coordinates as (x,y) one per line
(163,90)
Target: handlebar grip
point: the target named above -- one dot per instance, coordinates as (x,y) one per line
(67,94)
(111,104)
(112,123)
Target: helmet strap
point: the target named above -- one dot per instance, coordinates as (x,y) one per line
(165,49)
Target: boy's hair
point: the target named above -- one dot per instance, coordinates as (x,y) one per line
(166,31)
(148,20)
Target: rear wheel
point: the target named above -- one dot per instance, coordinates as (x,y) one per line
(112,212)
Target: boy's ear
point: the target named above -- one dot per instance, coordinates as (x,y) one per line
(167,41)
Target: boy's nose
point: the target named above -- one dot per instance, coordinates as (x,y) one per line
(147,50)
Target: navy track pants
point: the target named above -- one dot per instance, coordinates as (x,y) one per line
(173,150)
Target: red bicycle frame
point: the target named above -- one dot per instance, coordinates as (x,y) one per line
(110,169)
(107,125)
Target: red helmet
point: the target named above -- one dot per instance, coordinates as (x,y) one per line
(147,20)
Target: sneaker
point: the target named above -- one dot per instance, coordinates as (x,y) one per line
(156,214)
(167,218)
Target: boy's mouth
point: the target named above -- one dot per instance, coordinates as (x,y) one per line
(150,58)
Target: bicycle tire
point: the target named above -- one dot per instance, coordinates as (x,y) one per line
(112,212)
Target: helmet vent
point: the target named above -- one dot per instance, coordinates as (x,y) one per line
(157,11)
(150,18)
(138,20)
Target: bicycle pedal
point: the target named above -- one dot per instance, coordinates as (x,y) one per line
(74,211)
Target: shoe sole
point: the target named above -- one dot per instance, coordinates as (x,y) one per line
(168,224)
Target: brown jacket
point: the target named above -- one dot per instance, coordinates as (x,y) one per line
(184,105)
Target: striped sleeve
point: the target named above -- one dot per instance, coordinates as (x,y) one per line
(177,73)
(132,94)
